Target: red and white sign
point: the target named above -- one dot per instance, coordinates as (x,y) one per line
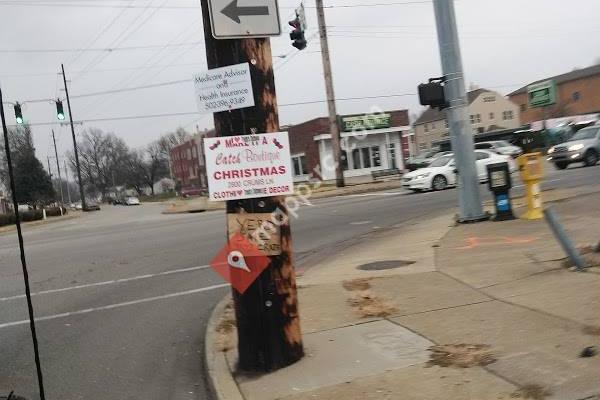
(246,167)
(240,262)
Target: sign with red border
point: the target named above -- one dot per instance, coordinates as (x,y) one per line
(246,167)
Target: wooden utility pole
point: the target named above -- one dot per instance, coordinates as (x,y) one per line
(67,179)
(268,322)
(75,148)
(62,194)
(334,129)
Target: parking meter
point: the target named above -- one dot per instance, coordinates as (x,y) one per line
(532,171)
(500,183)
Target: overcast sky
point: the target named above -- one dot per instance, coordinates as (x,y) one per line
(377,49)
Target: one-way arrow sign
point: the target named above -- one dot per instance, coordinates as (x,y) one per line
(244,18)
(234,11)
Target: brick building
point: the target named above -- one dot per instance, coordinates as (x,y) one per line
(578,93)
(370,142)
(188,166)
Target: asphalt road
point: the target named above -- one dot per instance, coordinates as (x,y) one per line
(123,295)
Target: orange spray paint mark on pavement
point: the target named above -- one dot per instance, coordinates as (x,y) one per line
(474,242)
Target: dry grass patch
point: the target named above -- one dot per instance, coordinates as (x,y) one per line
(461,355)
(591,330)
(225,329)
(369,306)
(357,284)
(533,392)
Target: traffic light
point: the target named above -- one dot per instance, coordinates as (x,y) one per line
(299,25)
(60,112)
(18,114)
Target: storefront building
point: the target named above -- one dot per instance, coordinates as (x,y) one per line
(370,142)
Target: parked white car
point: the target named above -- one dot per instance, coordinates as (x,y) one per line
(440,173)
(132,201)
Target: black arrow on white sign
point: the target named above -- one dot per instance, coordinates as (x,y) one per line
(234,11)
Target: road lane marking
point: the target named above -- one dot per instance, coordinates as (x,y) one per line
(374,194)
(361,223)
(114,306)
(106,283)
(543,181)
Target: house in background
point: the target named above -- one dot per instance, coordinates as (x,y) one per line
(488,111)
(578,93)
(370,142)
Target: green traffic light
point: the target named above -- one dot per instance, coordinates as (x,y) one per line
(60,113)
(18,113)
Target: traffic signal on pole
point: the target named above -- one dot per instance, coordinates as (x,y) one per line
(433,94)
(60,112)
(297,35)
(18,113)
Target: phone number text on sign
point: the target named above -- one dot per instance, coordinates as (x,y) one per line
(224,89)
(246,167)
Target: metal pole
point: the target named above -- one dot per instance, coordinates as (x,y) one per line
(81,191)
(67,180)
(461,133)
(13,189)
(62,195)
(334,129)
(563,239)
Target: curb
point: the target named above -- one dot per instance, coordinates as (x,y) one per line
(220,382)
(50,220)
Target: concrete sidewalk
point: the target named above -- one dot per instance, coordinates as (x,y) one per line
(430,310)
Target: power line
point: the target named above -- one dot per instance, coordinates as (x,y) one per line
(101,49)
(124,35)
(75,57)
(177,114)
(62,4)
(101,70)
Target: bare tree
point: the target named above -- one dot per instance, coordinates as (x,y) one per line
(103,159)
(172,139)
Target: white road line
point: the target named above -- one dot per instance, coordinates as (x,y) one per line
(543,181)
(361,223)
(374,194)
(113,306)
(113,282)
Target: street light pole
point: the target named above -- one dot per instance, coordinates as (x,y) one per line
(461,133)
(81,191)
(334,128)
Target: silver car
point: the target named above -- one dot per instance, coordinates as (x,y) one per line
(501,147)
(583,147)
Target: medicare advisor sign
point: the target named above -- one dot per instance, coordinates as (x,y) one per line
(246,167)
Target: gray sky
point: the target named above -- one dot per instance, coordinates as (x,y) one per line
(377,50)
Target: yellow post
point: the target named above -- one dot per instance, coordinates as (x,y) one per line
(531,168)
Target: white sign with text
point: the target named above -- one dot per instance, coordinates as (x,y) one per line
(224,89)
(246,167)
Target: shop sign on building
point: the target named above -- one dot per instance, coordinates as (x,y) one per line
(365,122)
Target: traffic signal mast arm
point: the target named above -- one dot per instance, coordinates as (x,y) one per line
(18,108)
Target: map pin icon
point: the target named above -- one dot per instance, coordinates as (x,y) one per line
(236,260)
